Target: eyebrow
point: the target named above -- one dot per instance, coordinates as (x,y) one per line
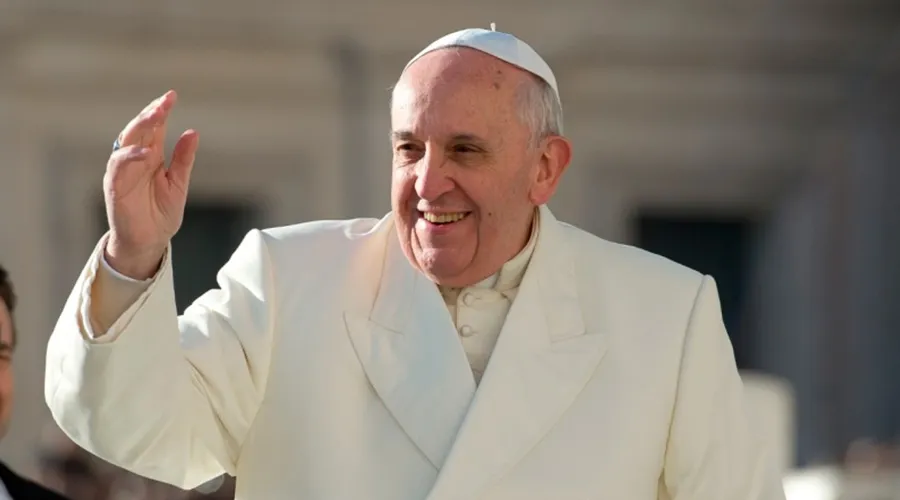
(406,135)
(401,135)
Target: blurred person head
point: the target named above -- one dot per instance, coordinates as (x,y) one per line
(69,469)
(477,146)
(7,346)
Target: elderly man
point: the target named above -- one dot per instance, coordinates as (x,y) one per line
(465,346)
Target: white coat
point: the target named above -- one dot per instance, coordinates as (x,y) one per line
(327,368)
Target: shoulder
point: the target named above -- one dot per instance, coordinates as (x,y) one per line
(22,487)
(318,240)
(631,286)
(644,301)
(322,231)
(629,265)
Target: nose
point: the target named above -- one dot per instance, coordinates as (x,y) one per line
(432,176)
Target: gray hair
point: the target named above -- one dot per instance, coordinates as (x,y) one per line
(540,109)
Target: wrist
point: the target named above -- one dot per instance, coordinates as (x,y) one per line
(135,263)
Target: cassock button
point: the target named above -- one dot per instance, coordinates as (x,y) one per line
(469,299)
(466,331)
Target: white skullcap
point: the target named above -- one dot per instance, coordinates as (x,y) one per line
(501,45)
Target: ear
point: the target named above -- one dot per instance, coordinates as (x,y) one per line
(556,153)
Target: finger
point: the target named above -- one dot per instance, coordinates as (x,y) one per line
(139,130)
(157,137)
(183,158)
(142,129)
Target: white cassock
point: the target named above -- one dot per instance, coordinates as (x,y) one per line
(326,367)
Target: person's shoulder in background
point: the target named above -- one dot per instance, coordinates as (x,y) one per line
(21,488)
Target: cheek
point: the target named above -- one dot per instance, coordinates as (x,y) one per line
(403,198)
(497,196)
(401,186)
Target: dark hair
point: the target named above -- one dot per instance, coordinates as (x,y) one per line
(8,295)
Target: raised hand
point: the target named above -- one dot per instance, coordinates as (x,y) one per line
(144,199)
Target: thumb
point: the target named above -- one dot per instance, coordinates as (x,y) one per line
(183,158)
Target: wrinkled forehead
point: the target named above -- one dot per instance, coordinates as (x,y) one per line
(456,88)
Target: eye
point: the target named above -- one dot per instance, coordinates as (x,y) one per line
(407,152)
(406,147)
(465,148)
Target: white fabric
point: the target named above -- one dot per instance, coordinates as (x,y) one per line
(327,367)
(113,293)
(479,311)
(503,46)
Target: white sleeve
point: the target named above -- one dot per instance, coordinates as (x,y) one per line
(167,397)
(712,451)
(111,295)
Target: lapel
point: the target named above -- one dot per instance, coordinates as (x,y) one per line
(410,351)
(542,361)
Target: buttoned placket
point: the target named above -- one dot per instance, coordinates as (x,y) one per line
(480,314)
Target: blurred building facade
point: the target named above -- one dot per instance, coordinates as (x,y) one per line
(755,141)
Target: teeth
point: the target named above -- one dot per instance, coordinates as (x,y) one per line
(444,218)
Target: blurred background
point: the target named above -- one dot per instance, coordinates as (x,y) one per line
(754,140)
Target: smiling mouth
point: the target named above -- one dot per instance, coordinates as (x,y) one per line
(443,218)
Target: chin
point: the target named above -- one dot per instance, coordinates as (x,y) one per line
(441,266)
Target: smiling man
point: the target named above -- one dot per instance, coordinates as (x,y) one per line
(467,345)
(465,190)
